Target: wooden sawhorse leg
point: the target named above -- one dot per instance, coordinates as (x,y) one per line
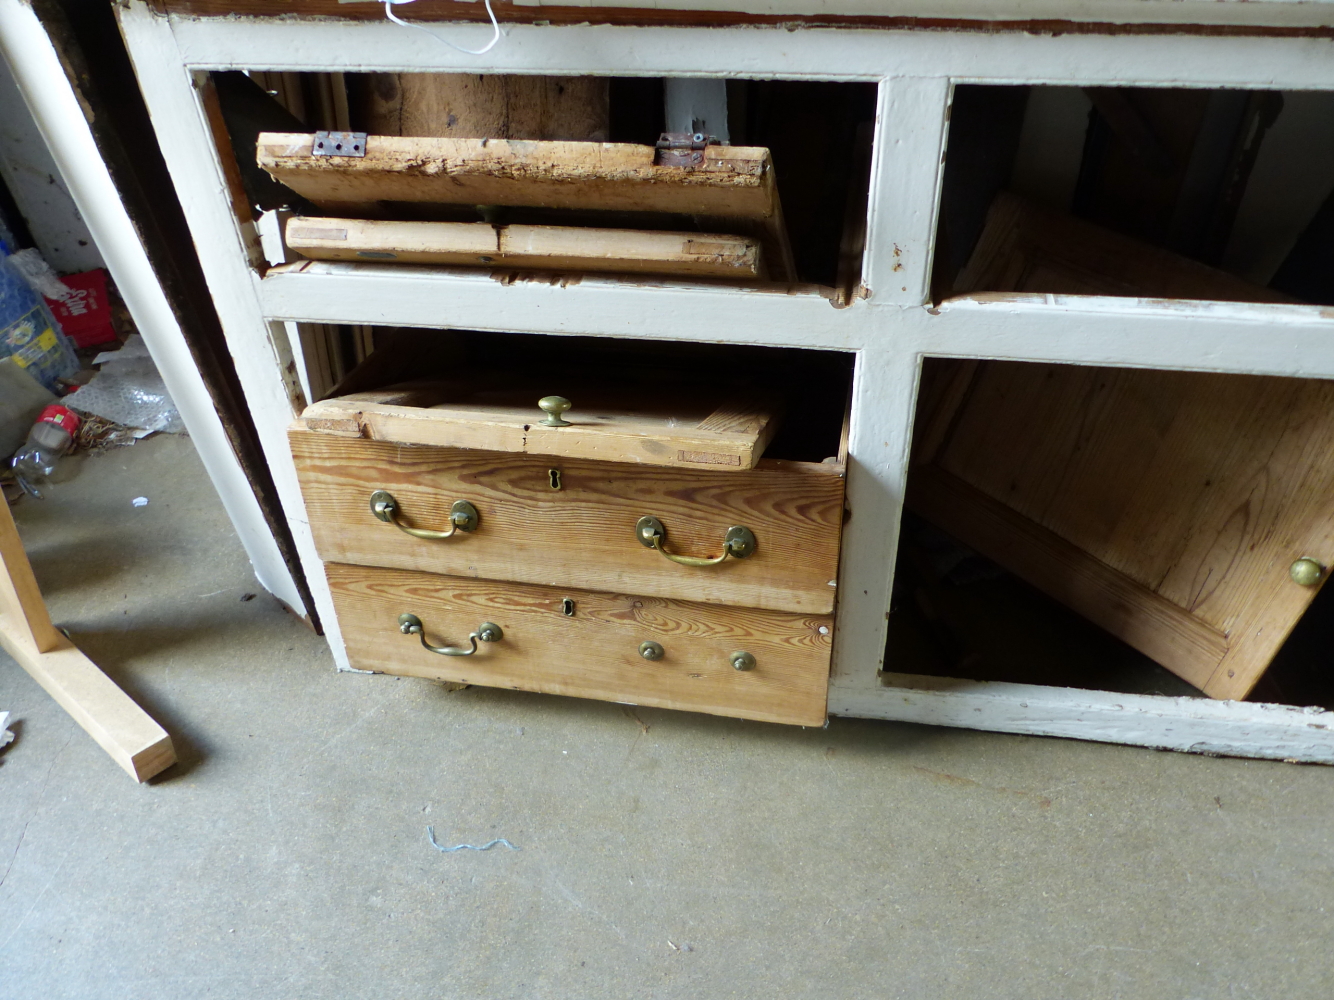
(121,728)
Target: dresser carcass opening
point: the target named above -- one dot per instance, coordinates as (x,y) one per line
(648,522)
(681,178)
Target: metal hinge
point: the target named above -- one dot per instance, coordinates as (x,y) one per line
(682,149)
(339,144)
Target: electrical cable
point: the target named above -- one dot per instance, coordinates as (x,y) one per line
(389,13)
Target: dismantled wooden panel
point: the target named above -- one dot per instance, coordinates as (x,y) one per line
(614,176)
(703,255)
(542,520)
(1166,506)
(680,426)
(734,183)
(1027,248)
(590,647)
(1199,489)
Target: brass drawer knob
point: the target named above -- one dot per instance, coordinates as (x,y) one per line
(462,516)
(741,660)
(554,407)
(651,650)
(410,624)
(1306,571)
(738,542)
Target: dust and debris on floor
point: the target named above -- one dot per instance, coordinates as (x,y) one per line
(662,854)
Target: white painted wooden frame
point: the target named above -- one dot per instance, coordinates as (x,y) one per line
(890,330)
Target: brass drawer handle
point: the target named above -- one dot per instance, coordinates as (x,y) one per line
(410,624)
(738,543)
(462,516)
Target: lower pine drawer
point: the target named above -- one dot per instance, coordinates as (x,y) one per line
(593,652)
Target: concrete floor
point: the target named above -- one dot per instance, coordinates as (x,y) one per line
(662,854)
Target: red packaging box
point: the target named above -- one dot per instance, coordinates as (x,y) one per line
(85,315)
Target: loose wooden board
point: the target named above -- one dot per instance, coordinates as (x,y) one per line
(595,653)
(682,428)
(1128,493)
(125,731)
(120,727)
(702,255)
(583,534)
(735,183)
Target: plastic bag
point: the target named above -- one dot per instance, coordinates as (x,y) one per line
(128,390)
(29,334)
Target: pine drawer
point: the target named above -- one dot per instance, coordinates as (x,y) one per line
(587,644)
(572,523)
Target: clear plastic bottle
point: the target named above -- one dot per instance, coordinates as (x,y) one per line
(51,436)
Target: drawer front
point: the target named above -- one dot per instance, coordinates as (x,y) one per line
(583,533)
(594,652)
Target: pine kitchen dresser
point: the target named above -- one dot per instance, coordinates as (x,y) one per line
(535,554)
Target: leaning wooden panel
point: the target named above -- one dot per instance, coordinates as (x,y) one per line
(1025,247)
(1125,607)
(570,522)
(589,648)
(699,255)
(1185,490)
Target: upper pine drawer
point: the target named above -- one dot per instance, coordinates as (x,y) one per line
(669,433)
(578,523)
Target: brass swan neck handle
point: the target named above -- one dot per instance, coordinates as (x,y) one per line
(410,624)
(462,517)
(738,542)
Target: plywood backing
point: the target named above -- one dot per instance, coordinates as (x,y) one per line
(684,428)
(581,535)
(733,189)
(1166,506)
(704,255)
(595,652)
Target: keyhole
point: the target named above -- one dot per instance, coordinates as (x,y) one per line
(567,607)
(554,474)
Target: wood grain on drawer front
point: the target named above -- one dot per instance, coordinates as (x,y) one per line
(595,653)
(582,535)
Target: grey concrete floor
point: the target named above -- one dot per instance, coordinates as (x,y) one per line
(661,854)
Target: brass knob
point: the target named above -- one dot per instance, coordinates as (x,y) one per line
(1306,571)
(651,650)
(741,660)
(554,406)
